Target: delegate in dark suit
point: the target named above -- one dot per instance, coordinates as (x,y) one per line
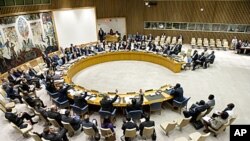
(136,105)
(53,114)
(76,124)
(18,120)
(177,92)
(106,104)
(80,101)
(128,125)
(146,123)
(32,101)
(52,136)
(63,94)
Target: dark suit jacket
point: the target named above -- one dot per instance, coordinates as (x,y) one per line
(30,101)
(14,118)
(32,72)
(51,87)
(76,124)
(56,116)
(136,106)
(89,124)
(11,79)
(145,124)
(195,57)
(63,94)
(129,125)
(55,136)
(80,101)
(178,94)
(107,105)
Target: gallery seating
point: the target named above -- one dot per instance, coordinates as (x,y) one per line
(168,126)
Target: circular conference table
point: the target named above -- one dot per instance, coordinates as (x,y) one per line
(150,96)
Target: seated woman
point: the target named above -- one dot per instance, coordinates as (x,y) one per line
(107,124)
(216,122)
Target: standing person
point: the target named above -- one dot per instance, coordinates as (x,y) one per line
(234,42)
(101,34)
(211,100)
(238,47)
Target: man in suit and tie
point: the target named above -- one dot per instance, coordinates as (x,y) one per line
(87,123)
(53,135)
(12,78)
(101,34)
(33,101)
(54,114)
(62,92)
(177,93)
(18,120)
(195,57)
(75,123)
(79,100)
(136,105)
(146,123)
(107,104)
(128,125)
(12,93)
(33,73)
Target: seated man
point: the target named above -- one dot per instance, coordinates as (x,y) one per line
(41,110)
(146,123)
(87,123)
(32,72)
(196,109)
(107,104)
(32,80)
(210,59)
(53,114)
(12,93)
(18,120)
(228,109)
(128,125)
(74,122)
(177,93)
(12,78)
(62,91)
(79,100)
(53,135)
(216,122)
(25,87)
(33,101)
(136,105)
(200,61)
(50,86)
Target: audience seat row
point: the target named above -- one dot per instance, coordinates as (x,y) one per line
(218,44)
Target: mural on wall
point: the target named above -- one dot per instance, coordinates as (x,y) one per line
(25,37)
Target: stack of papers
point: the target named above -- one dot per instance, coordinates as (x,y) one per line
(128,99)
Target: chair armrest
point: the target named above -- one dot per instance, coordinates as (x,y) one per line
(85,107)
(113,113)
(63,102)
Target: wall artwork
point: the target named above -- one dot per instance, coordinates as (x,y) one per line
(25,37)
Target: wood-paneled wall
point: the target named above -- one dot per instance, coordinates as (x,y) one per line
(176,11)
